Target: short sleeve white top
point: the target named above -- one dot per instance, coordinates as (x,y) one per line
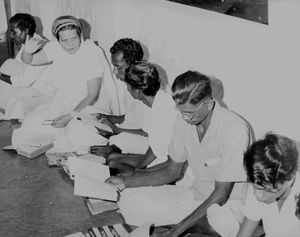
(277,223)
(219,156)
(159,122)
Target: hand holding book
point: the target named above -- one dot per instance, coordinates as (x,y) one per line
(117,182)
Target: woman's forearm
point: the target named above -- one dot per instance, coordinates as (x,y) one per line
(88,100)
(93,90)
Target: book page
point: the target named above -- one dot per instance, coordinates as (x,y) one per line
(93,158)
(89,187)
(88,168)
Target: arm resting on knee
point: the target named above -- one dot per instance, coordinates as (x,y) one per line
(248,228)
(219,196)
(165,173)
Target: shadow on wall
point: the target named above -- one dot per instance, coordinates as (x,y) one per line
(86,28)
(218,90)
(218,94)
(164,85)
(145,50)
(39,26)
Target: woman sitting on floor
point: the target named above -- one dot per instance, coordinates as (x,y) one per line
(77,74)
(271,166)
(143,83)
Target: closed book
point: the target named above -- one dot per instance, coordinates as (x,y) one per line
(29,151)
(97,206)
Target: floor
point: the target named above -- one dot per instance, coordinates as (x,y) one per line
(39,201)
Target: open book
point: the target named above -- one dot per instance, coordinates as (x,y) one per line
(97,206)
(89,179)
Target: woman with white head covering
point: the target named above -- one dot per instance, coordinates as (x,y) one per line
(77,74)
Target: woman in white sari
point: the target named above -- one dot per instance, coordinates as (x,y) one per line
(77,75)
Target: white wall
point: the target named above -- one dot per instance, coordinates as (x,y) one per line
(257,64)
(3,21)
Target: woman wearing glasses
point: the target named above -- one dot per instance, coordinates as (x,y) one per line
(271,166)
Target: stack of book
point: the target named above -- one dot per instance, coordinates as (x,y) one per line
(97,206)
(33,147)
(117,230)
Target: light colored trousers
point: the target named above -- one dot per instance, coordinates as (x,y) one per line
(170,204)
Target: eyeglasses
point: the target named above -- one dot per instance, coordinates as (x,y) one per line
(191,115)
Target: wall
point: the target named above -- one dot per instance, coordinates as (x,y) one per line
(257,64)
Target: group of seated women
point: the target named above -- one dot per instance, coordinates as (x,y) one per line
(182,161)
